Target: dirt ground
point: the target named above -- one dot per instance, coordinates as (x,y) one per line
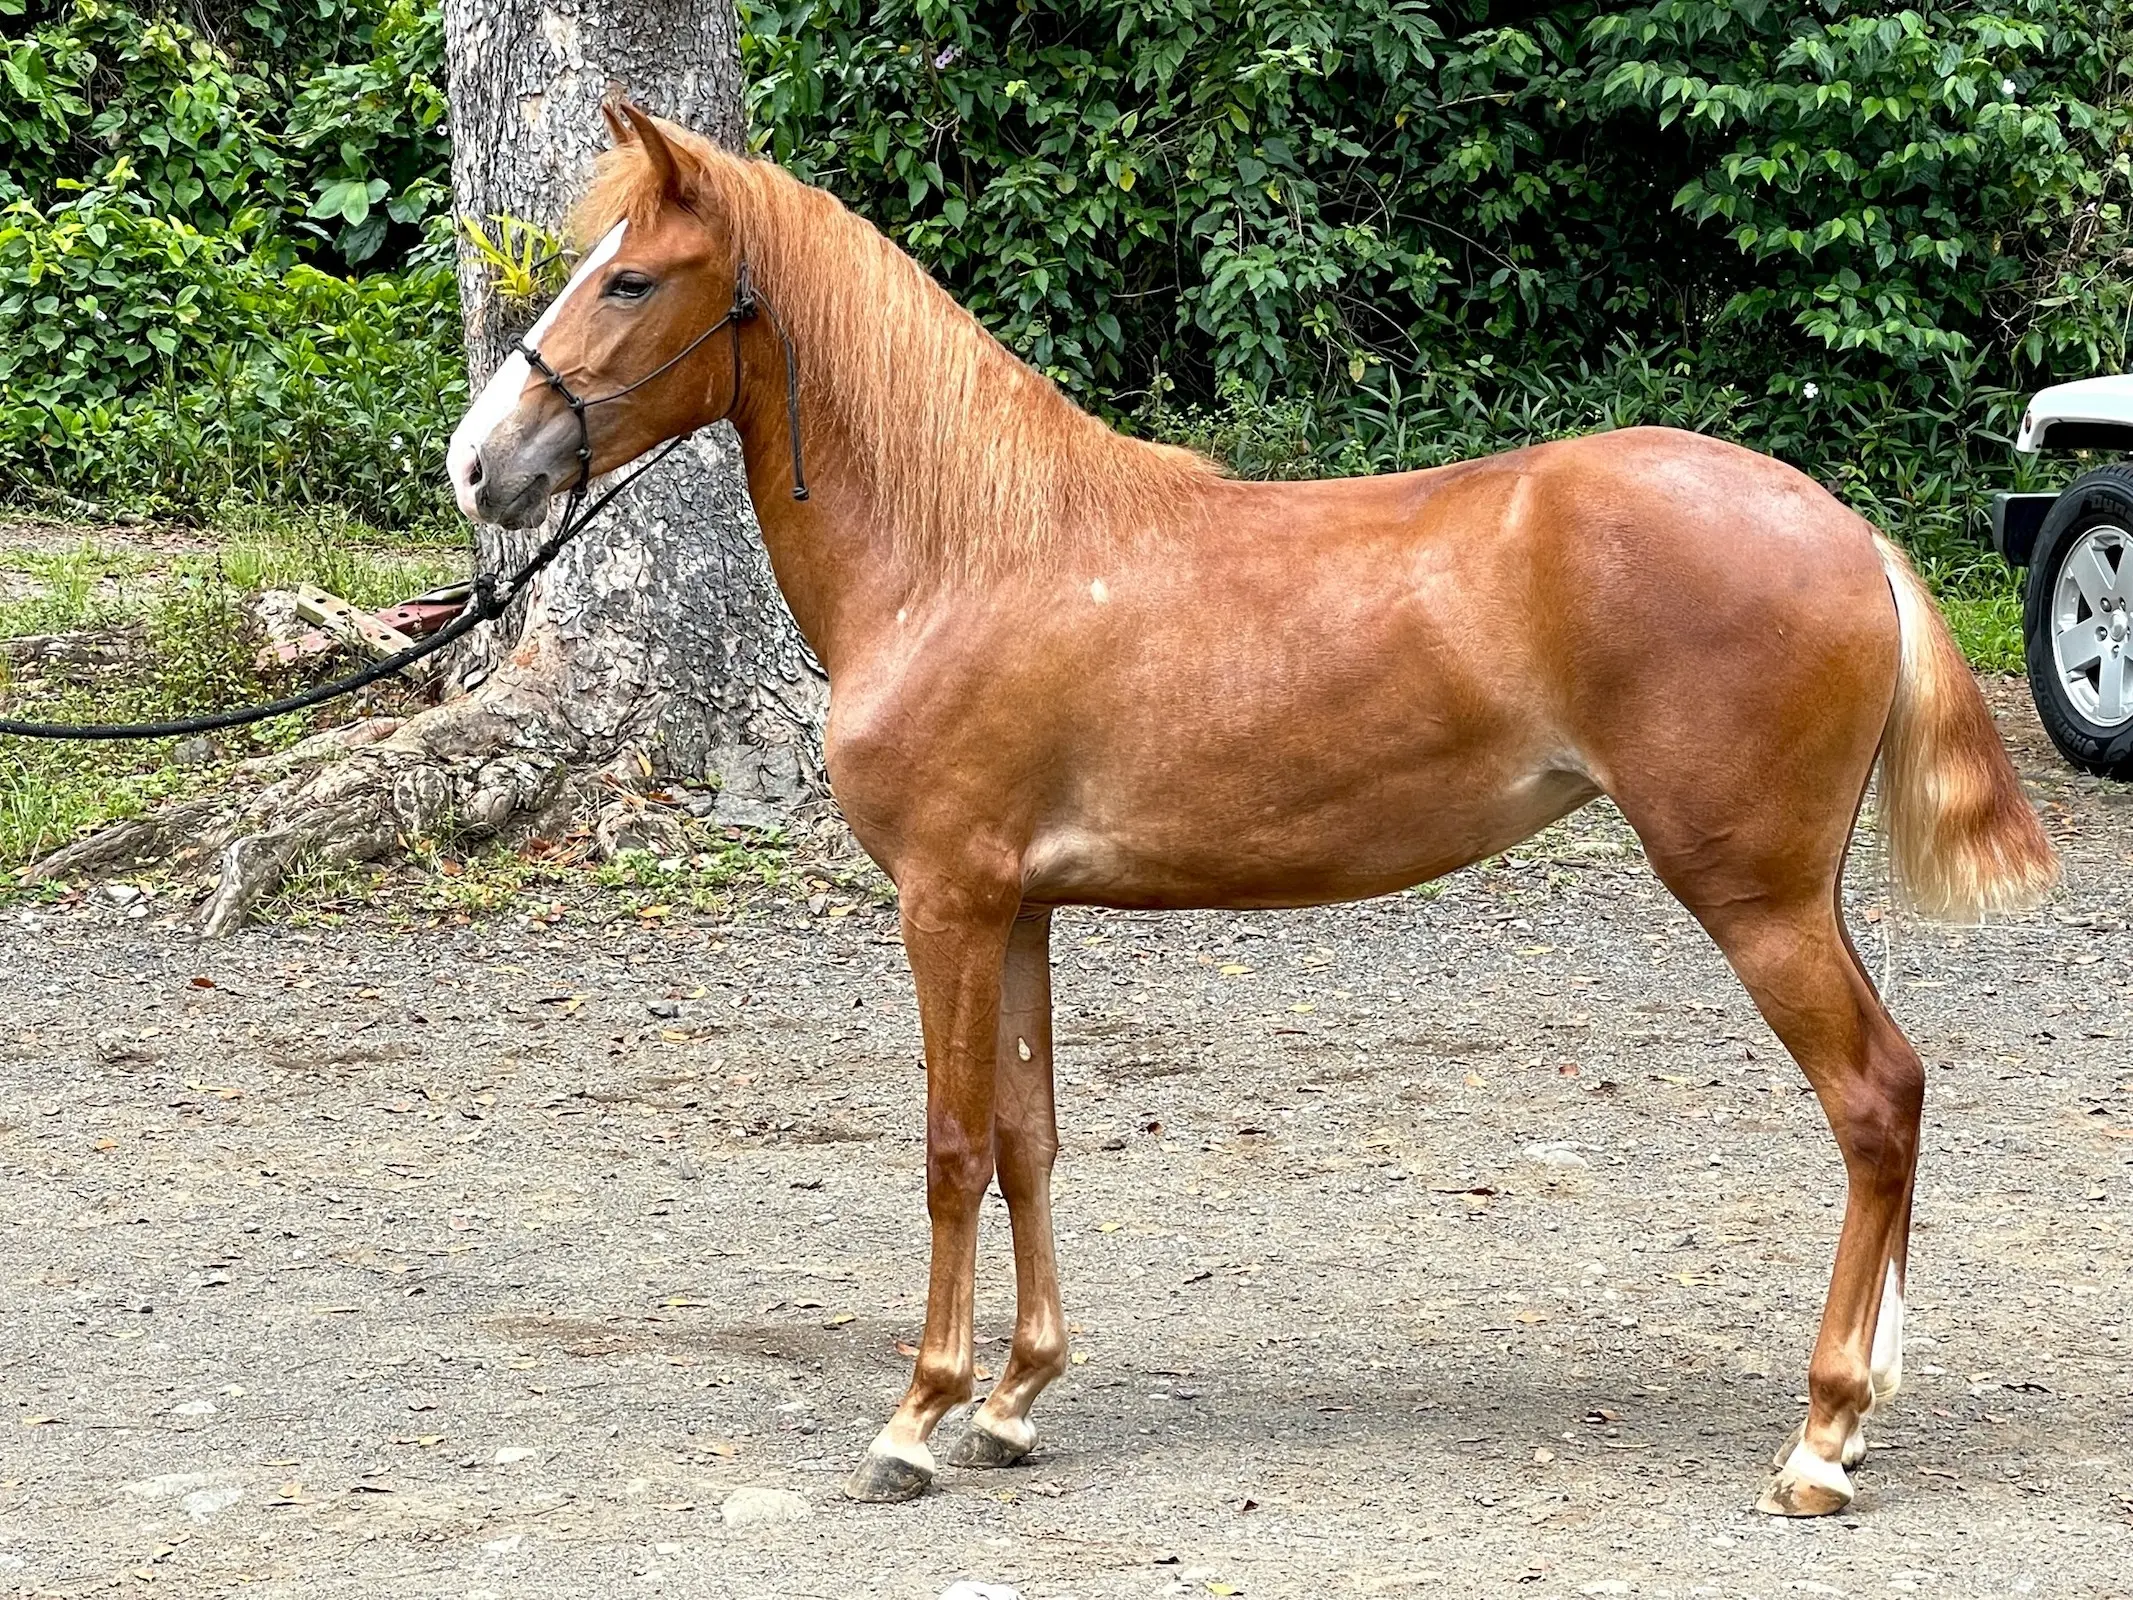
(1466,1243)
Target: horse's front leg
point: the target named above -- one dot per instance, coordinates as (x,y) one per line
(1027,1137)
(956,939)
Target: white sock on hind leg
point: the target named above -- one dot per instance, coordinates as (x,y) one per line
(1885,1365)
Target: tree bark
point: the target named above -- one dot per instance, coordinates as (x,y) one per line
(656,645)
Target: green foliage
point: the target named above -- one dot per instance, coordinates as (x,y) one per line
(1141,197)
(100,87)
(179,202)
(321,121)
(1907,181)
(145,363)
(371,133)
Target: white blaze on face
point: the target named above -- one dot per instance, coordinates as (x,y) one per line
(500,398)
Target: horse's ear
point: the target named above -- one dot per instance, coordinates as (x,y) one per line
(618,128)
(662,156)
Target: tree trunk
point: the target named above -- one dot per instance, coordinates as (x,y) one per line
(663,626)
(657,644)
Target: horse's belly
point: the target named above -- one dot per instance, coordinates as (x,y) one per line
(1177,853)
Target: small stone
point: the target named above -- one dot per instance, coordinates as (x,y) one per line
(513,1453)
(202,1504)
(122,894)
(664,1009)
(507,1545)
(1554,1155)
(166,1484)
(735,811)
(752,1507)
(194,752)
(194,1408)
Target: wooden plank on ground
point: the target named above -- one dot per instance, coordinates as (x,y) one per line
(337,616)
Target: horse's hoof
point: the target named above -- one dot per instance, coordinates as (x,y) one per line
(1785,1450)
(983,1448)
(884,1479)
(1806,1486)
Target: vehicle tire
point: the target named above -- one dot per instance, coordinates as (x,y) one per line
(2077,622)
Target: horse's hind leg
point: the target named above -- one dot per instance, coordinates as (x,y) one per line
(1026,1140)
(1792,954)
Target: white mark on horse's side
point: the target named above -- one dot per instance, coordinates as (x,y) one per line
(901,613)
(501,397)
(1886,1363)
(1099,591)
(1022,1048)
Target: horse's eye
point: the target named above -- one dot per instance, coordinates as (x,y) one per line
(629,286)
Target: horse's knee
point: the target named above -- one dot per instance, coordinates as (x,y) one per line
(957,1171)
(944,1375)
(1025,1163)
(1041,1347)
(1840,1382)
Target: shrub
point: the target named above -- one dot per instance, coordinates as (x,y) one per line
(149,365)
(1144,196)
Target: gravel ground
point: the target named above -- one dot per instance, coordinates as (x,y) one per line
(1463,1243)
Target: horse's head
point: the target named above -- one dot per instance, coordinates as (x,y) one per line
(625,338)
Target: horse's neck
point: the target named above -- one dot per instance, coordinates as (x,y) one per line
(840,572)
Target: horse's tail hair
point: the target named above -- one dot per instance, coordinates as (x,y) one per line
(1962,838)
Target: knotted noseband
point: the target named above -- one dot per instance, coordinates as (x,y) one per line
(748,300)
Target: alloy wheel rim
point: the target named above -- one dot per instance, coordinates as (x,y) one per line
(2092,625)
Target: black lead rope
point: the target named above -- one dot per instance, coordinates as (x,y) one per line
(490,599)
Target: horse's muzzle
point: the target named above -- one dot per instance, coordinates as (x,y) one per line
(507,499)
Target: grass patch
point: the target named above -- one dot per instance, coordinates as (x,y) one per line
(59,591)
(1988,627)
(560,882)
(180,628)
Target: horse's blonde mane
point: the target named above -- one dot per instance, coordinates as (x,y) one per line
(977,462)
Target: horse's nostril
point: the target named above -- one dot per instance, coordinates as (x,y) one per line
(474,470)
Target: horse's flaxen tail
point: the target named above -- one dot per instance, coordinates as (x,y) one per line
(1962,837)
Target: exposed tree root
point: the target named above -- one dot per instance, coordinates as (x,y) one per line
(501,762)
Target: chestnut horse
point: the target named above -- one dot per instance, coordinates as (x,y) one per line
(1068,667)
